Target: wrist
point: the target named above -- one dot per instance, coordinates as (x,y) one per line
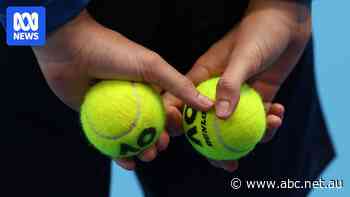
(293,15)
(57,46)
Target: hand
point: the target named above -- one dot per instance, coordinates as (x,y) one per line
(262,50)
(82,52)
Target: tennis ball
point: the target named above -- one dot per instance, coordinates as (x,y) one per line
(228,139)
(122,118)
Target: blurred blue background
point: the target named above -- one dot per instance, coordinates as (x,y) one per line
(331,23)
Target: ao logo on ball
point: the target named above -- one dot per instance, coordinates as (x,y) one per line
(190,115)
(145,138)
(122,118)
(230,138)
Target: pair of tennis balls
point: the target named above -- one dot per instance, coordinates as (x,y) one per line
(122,118)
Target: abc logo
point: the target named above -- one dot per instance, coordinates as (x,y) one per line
(26,21)
(26,26)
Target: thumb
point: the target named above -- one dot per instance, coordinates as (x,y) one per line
(247,59)
(256,48)
(228,89)
(244,62)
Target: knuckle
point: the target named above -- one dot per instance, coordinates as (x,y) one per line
(226,84)
(262,50)
(201,62)
(149,66)
(57,75)
(187,86)
(151,58)
(203,67)
(184,90)
(149,155)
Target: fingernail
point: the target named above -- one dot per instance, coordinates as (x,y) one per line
(222,109)
(205,101)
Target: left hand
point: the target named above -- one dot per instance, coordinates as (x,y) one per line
(262,50)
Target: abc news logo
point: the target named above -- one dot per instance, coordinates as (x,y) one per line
(28,23)
(26,26)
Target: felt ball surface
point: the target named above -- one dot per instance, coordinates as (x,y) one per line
(122,118)
(228,139)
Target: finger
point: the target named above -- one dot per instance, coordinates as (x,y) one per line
(174,121)
(173,106)
(267,106)
(127,164)
(162,142)
(149,154)
(213,62)
(127,60)
(277,110)
(171,100)
(165,76)
(273,123)
(158,89)
(229,166)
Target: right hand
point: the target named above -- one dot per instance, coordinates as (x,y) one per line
(82,51)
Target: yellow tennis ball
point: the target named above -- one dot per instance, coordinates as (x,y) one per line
(122,118)
(226,139)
